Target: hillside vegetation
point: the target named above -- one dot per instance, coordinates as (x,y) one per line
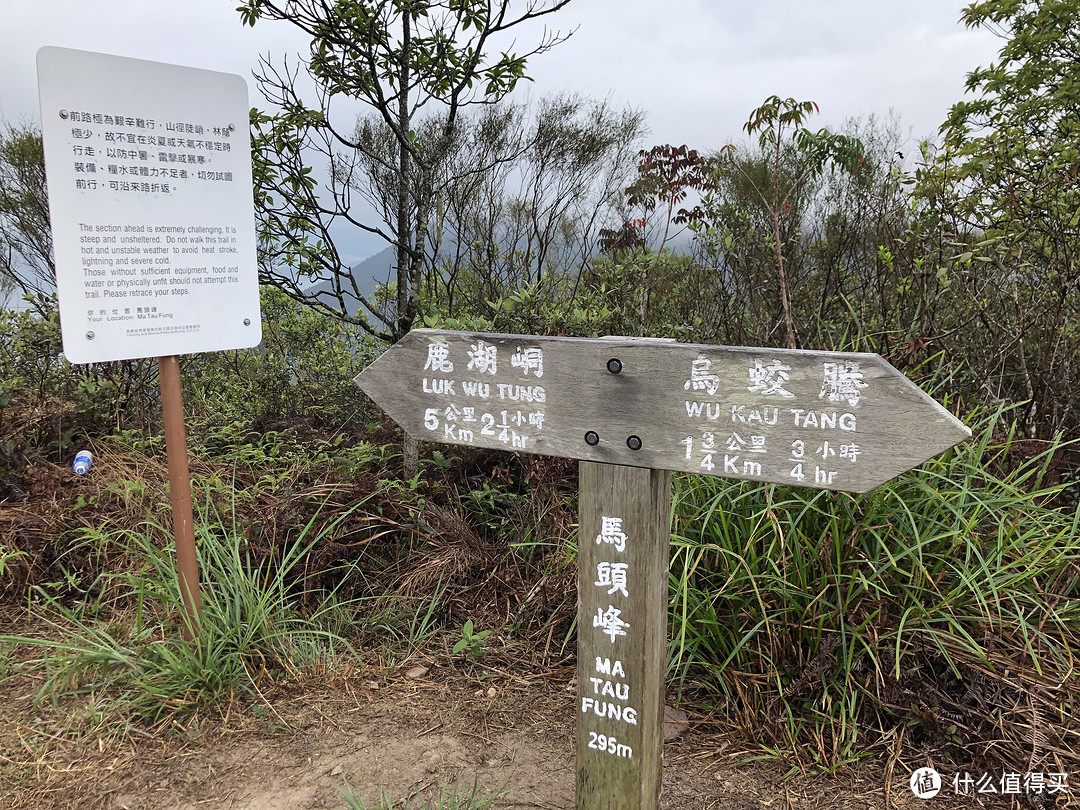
(936,616)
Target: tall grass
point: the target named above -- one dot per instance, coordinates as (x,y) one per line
(121,647)
(943,605)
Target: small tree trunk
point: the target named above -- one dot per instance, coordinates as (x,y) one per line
(401,226)
(781,276)
(785,299)
(411,452)
(643,305)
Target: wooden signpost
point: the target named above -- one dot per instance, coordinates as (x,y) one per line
(631,411)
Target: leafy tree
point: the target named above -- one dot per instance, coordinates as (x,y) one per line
(666,176)
(579,156)
(531,222)
(780,125)
(1007,181)
(855,230)
(26,257)
(415,65)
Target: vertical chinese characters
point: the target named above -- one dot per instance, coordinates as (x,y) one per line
(611,575)
(610,691)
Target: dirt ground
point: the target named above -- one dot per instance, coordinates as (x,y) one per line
(405,737)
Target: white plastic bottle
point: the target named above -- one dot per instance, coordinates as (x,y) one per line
(83,460)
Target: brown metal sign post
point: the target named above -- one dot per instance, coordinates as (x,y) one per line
(631,411)
(187,564)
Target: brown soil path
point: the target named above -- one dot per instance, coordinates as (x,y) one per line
(404,737)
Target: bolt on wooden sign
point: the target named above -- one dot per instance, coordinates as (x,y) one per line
(830,420)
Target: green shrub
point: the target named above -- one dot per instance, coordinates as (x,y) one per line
(302,371)
(120,647)
(46,403)
(945,601)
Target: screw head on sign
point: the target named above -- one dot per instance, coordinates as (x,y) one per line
(247,321)
(89,335)
(64,114)
(592,438)
(614,365)
(634,442)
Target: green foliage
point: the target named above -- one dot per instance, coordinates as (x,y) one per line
(471,641)
(816,617)
(31,360)
(8,556)
(26,262)
(261,617)
(302,371)
(298,380)
(775,115)
(1007,182)
(534,216)
(603,299)
(790,156)
(46,403)
(397,59)
(816,620)
(666,176)
(1033,84)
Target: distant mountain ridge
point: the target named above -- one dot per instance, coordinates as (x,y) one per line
(368,274)
(379,269)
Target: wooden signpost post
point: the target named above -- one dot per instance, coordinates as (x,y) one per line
(631,411)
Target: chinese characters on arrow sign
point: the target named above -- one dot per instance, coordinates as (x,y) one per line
(828,420)
(508,412)
(607,694)
(740,447)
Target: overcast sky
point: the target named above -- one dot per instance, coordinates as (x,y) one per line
(695,67)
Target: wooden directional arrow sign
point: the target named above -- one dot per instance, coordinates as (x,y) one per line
(831,420)
(820,419)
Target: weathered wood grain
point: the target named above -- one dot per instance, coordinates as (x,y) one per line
(831,420)
(623,542)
